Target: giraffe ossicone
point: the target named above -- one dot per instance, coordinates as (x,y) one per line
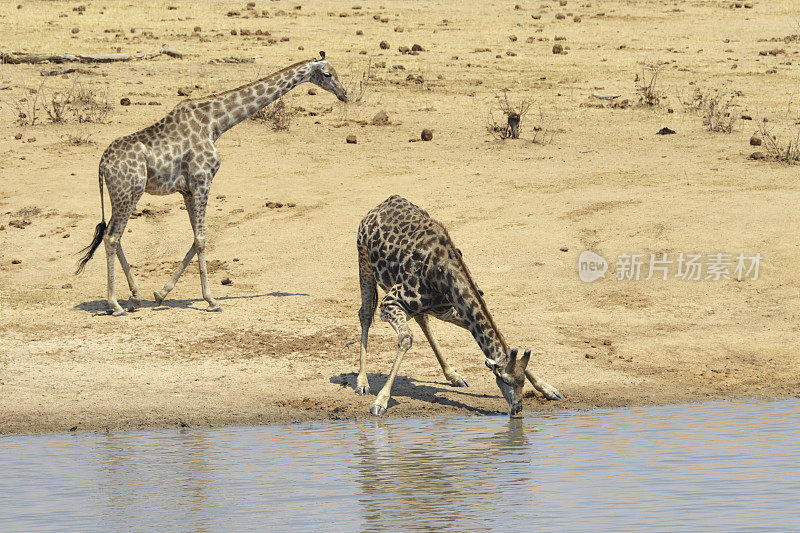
(177,155)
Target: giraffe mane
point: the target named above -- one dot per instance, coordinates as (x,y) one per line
(259,80)
(474,287)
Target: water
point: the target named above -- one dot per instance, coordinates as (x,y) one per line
(719,466)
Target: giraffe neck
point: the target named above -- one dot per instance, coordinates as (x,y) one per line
(472,308)
(232,107)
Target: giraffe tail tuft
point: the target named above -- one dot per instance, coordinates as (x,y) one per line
(88,252)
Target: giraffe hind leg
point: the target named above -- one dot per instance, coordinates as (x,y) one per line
(369,301)
(136,298)
(116,227)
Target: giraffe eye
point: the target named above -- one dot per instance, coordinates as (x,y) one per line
(327,74)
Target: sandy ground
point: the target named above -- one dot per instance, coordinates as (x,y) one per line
(286,345)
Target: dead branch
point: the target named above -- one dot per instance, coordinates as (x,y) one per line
(16,57)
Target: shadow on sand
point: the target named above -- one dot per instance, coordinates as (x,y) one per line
(415,389)
(100,307)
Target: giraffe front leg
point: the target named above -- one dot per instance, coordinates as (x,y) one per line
(455,379)
(200,198)
(395,315)
(547,390)
(160,295)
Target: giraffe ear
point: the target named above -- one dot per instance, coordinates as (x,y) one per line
(322,54)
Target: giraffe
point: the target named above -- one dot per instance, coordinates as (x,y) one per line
(177,154)
(411,256)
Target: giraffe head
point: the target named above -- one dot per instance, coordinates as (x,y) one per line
(511,378)
(325,76)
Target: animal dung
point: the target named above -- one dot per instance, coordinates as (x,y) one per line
(351,139)
(427,135)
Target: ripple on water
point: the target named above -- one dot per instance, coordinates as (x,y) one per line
(720,466)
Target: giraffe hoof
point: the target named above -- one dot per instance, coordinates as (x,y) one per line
(158,298)
(553,395)
(214,309)
(135,300)
(119,312)
(377,410)
(460,382)
(362,390)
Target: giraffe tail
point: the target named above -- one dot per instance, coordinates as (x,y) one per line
(99,231)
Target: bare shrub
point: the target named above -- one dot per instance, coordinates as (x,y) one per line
(278,115)
(79,102)
(27,108)
(56,105)
(787,153)
(89,105)
(513,115)
(714,106)
(356,85)
(647,86)
(543,130)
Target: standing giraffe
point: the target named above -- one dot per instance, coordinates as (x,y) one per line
(177,154)
(410,255)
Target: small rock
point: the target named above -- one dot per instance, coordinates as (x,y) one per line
(351,139)
(426,135)
(757,156)
(417,48)
(398,29)
(512,38)
(381,118)
(65,236)
(665,131)
(226,281)
(404,49)
(185,91)
(384,45)
(564,249)
(359,32)
(291,204)
(125,102)
(558,48)
(198,29)
(589,356)
(153,102)
(31,139)
(15,261)
(18,136)
(244,32)
(66,286)
(576,19)
(312,91)
(755,141)
(747,117)
(560,16)
(75,30)
(233,32)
